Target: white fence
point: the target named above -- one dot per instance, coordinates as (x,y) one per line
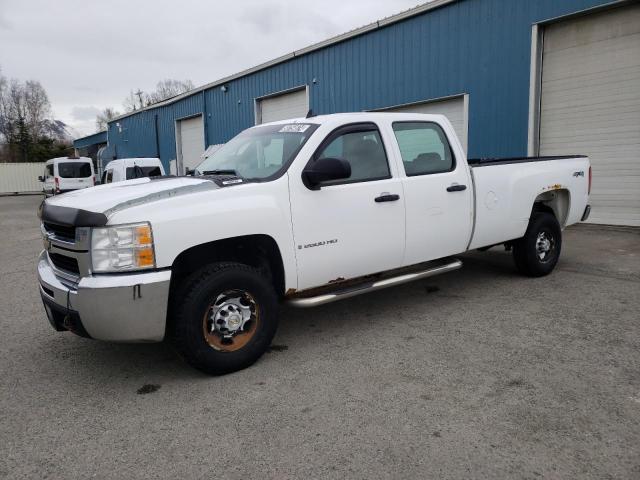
(20,177)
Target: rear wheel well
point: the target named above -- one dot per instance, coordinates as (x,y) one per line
(258,251)
(555,202)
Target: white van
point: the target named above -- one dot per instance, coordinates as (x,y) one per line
(130,168)
(64,174)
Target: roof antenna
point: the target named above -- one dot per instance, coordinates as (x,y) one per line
(310,114)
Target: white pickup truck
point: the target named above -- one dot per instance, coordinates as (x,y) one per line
(304,211)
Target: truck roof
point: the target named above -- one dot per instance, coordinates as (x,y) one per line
(360,117)
(146,161)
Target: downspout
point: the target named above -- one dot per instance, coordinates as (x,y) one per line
(206,121)
(155,122)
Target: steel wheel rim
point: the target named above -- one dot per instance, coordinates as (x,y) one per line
(545,245)
(231,320)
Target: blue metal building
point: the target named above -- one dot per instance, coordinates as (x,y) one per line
(487,56)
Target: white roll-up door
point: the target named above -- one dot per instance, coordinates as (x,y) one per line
(282,107)
(590,104)
(190,142)
(452,108)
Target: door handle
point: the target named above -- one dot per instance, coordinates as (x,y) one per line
(456,188)
(387,197)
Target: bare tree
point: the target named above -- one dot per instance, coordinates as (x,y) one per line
(3,107)
(104,117)
(26,122)
(37,108)
(169,88)
(164,89)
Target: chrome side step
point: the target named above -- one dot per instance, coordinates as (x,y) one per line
(339,294)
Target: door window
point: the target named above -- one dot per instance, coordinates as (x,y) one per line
(109,176)
(362,147)
(424,148)
(48,171)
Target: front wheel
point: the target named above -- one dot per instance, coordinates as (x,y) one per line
(537,253)
(225,319)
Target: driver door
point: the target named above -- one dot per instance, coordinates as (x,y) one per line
(352,227)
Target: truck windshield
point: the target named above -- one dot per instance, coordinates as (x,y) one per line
(74,170)
(259,152)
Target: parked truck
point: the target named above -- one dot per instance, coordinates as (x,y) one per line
(304,212)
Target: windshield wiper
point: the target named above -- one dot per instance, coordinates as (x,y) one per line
(220,172)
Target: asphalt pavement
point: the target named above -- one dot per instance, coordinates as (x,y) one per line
(479,373)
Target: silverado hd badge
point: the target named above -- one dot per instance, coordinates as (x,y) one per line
(318,244)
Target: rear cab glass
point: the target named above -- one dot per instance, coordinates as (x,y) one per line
(150,171)
(74,169)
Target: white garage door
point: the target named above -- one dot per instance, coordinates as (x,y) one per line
(190,142)
(590,104)
(283,107)
(452,108)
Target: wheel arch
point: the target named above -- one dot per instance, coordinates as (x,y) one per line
(556,201)
(259,251)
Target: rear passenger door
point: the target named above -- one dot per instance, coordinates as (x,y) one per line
(438,192)
(352,227)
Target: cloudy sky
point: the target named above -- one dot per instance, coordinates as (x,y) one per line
(89,54)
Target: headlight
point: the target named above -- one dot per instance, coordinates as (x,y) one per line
(122,247)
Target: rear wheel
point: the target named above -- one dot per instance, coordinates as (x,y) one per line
(225,319)
(537,253)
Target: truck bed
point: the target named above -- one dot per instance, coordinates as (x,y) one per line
(489,162)
(504,195)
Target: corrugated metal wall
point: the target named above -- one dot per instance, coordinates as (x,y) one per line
(90,140)
(479,47)
(21,177)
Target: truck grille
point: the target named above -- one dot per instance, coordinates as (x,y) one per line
(63,262)
(63,232)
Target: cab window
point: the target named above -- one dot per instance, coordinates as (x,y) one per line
(424,148)
(362,147)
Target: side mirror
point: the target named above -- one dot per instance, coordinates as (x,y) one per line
(40,178)
(190,172)
(325,170)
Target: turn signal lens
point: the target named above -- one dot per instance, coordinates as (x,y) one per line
(143,235)
(144,257)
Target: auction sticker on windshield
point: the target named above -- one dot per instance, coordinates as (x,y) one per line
(294,128)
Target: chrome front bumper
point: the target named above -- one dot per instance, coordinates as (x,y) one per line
(120,307)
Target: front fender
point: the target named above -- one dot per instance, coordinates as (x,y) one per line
(186,221)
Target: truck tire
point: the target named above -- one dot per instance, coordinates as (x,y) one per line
(225,318)
(537,253)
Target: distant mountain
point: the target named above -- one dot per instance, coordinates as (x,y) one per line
(60,131)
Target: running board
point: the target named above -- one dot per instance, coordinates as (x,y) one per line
(371,286)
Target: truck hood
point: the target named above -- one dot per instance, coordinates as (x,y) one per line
(108,199)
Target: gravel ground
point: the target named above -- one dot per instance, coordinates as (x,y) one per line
(479,373)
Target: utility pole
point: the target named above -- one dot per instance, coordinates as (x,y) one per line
(139,94)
